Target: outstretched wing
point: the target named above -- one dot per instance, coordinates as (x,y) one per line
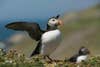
(33,29)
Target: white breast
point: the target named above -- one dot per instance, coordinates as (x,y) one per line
(51,36)
(81,58)
(50,41)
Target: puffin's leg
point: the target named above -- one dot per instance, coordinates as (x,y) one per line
(43,53)
(44,57)
(49,58)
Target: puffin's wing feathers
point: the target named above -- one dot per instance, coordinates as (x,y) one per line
(73,58)
(22,26)
(32,28)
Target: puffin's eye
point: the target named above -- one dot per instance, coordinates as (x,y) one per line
(53,19)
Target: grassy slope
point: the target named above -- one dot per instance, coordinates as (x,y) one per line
(80,29)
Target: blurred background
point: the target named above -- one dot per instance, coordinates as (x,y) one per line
(81,24)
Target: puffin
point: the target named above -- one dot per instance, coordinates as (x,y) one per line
(48,40)
(81,56)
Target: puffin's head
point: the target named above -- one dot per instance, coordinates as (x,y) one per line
(55,21)
(84,51)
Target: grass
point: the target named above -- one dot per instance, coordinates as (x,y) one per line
(15,59)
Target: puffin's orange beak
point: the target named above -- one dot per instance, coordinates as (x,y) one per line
(60,23)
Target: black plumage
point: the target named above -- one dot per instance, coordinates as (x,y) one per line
(82,52)
(73,58)
(33,29)
(37,49)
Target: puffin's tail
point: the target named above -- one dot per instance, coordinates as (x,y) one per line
(37,49)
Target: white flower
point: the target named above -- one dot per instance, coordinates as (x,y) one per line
(8,61)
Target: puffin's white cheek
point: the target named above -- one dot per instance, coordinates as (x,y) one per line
(52,23)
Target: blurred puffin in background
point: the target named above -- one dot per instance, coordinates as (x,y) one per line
(48,39)
(81,56)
